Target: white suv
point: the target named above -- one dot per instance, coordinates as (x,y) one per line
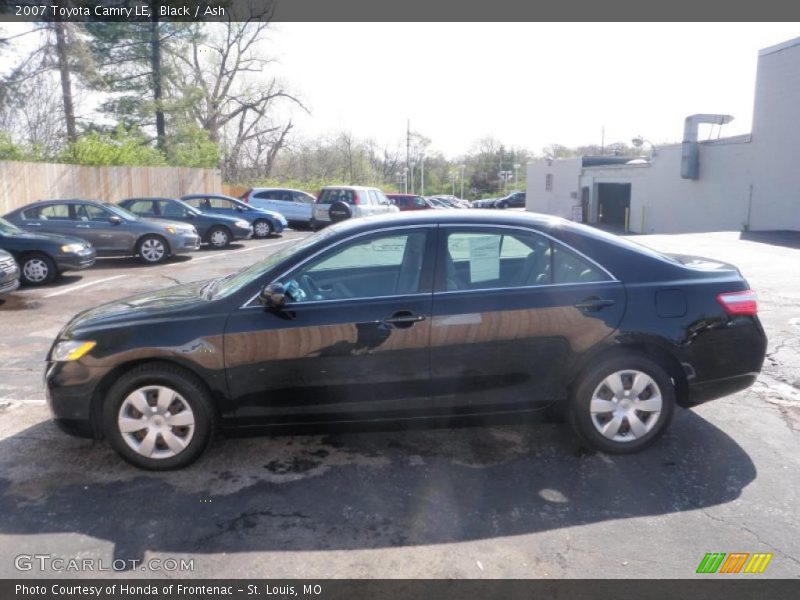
(337,203)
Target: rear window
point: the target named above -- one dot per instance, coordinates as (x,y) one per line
(331,195)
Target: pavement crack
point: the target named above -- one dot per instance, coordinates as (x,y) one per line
(758,538)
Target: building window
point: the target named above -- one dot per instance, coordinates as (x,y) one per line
(548,182)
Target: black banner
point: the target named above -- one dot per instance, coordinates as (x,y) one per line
(397,10)
(733,588)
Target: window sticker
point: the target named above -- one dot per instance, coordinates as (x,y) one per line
(484,258)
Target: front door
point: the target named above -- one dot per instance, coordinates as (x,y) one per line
(351,341)
(511,313)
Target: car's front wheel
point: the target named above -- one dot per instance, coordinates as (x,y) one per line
(622,404)
(262,229)
(37,269)
(158,417)
(152,249)
(219,237)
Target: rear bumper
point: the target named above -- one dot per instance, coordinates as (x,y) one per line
(704,391)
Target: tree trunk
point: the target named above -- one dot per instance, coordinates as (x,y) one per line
(66,81)
(155,66)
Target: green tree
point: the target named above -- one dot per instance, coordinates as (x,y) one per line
(122,147)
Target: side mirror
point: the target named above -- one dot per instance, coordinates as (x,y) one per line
(115,220)
(273,296)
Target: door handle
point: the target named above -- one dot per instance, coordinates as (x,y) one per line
(33,224)
(403,319)
(594,303)
(82,226)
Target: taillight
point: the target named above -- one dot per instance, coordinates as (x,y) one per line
(356,199)
(739,304)
(246,197)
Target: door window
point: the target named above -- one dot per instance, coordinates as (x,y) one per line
(89,212)
(142,207)
(378,266)
(51,212)
(171,210)
(304,198)
(269,195)
(568,267)
(494,259)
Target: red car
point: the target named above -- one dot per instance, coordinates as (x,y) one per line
(409,201)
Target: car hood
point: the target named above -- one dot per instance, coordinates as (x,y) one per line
(47,237)
(161,304)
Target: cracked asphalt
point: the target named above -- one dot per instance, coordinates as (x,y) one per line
(511,500)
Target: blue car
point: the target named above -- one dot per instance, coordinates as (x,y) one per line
(264,222)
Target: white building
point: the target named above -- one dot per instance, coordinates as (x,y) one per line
(748,181)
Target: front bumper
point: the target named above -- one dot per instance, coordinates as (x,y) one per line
(9,281)
(183,243)
(69,389)
(76,262)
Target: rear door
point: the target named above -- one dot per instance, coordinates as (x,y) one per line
(512,312)
(51,218)
(303,205)
(351,341)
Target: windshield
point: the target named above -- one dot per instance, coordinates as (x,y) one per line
(121,212)
(7,228)
(225,286)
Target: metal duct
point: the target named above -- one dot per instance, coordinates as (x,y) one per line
(690,154)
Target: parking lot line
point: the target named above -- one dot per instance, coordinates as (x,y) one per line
(81,286)
(222,254)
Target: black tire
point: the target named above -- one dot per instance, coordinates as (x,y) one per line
(190,390)
(37,268)
(586,425)
(152,249)
(502,205)
(262,228)
(340,211)
(219,237)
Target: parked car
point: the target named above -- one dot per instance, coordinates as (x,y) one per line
(422,314)
(111,230)
(437,203)
(409,202)
(452,201)
(42,257)
(218,231)
(9,274)
(513,200)
(295,205)
(263,222)
(485,203)
(337,203)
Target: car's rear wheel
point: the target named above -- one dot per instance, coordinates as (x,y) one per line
(152,249)
(219,237)
(37,269)
(622,404)
(262,229)
(158,417)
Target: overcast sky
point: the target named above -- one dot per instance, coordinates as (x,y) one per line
(528,84)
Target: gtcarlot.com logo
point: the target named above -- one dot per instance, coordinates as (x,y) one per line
(734,562)
(47,562)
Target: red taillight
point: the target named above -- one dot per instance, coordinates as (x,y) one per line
(356,199)
(739,304)
(246,197)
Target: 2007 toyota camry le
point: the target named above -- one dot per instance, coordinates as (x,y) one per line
(435,314)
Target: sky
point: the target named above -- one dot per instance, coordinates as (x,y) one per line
(527,84)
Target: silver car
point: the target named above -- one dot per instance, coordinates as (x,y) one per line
(337,203)
(112,230)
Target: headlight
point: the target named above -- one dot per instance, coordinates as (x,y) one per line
(243,224)
(71,350)
(170,229)
(72,247)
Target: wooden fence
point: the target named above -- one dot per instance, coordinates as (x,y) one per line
(23,182)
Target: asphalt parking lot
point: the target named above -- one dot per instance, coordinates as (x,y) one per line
(514,500)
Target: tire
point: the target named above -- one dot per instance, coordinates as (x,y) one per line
(219,237)
(152,249)
(149,442)
(340,211)
(616,426)
(262,229)
(37,268)
(502,205)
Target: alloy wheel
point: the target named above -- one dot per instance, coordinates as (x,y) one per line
(156,422)
(262,229)
(626,405)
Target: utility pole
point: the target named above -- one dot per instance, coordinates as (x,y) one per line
(422,174)
(408,155)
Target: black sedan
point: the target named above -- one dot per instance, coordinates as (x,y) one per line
(43,257)
(434,314)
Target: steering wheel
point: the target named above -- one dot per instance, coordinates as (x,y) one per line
(313,288)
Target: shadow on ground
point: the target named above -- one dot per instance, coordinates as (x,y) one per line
(353,490)
(789,239)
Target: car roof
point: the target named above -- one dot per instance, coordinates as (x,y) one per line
(278,189)
(350,187)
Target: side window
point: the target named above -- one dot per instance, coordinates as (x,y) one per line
(266,195)
(419,201)
(381,265)
(200,203)
(304,198)
(142,207)
(373,197)
(89,212)
(220,203)
(568,267)
(171,209)
(53,212)
(488,259)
